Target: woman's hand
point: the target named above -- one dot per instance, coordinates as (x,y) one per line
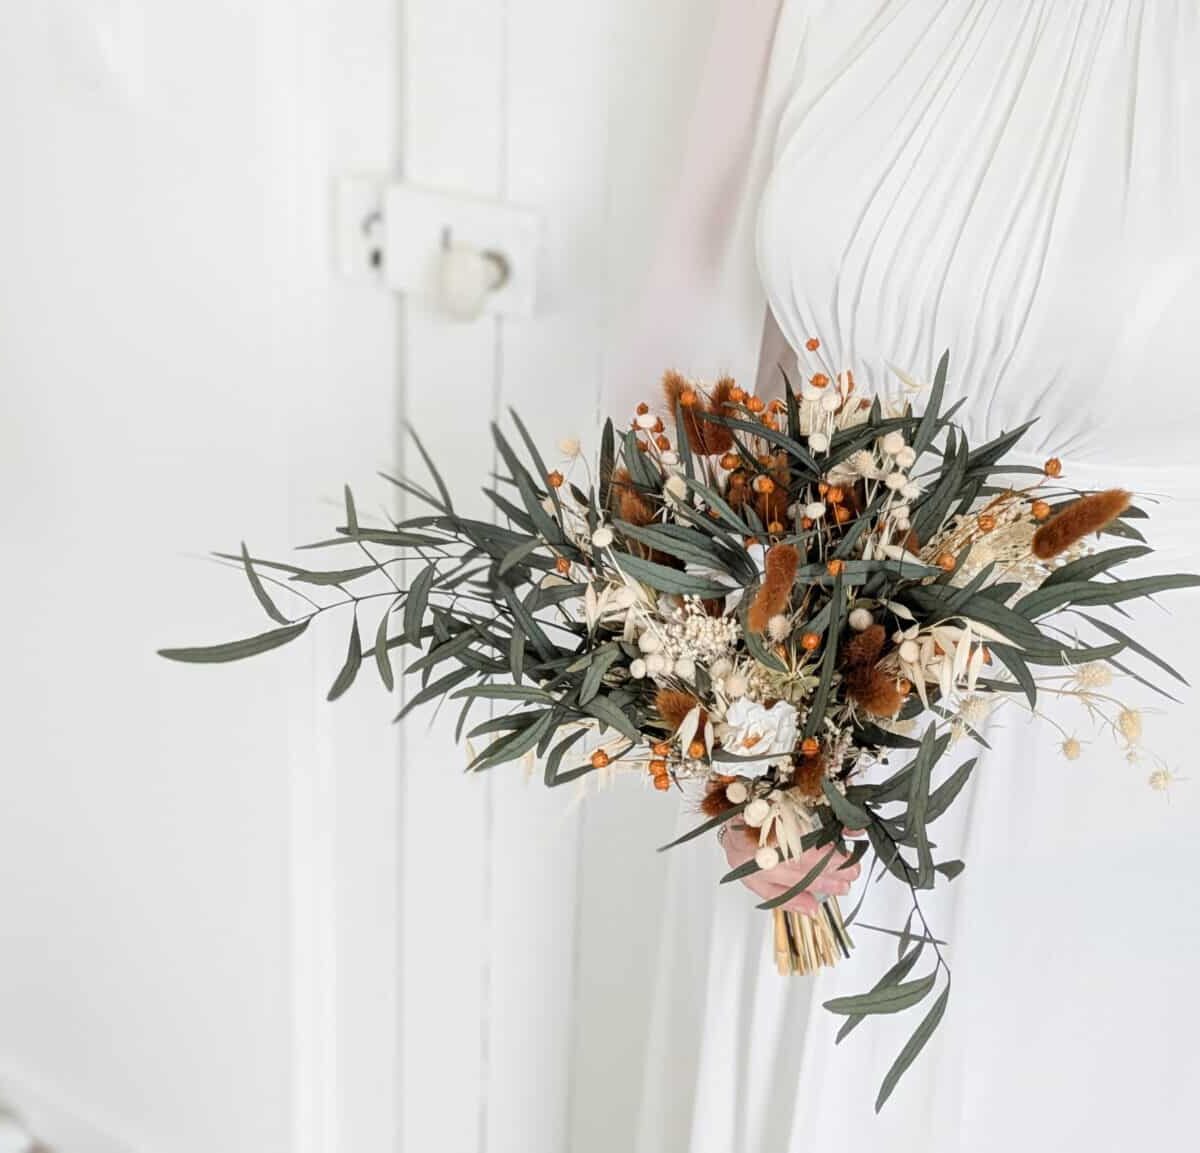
(741,843)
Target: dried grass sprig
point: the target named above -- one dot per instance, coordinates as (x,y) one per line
(1083,517)
(772,596)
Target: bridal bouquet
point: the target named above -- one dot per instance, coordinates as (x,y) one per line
(762,606)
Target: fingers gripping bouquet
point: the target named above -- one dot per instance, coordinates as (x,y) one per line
(759,605)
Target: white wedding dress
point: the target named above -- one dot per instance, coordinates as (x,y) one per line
(1016,182)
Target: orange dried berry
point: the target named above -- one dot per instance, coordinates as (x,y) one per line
(643,408)
(810,642)
(770,422)
(730,460)
(905,686)
(696,750)
(1052,467)
(764,484)
(658,768)
(775,527)
(812,344)
(662,783)
(643,446)
(987,522)
(599,759)
(1040,510)
(713,514)
(836,567)
(777,406)
(806,522)
(810,746)
(737,395)
(756,404)
(661,748)
(819,380)
(823,488)
(562,566)
(658,425)
(945,561)
(689,398)
(841,513)
(836,495)
(663,443)
(554,479)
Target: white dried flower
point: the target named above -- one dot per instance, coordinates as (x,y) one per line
(911,490)
(892,443)
(736,686)
(602,537)
(767,857)
(831,402)
(1071,749)
(756,812)
(895,480)
(906,458)
(816,510)
(1129,721)
(637,668)
(910,652)
(1093,675)
(624,597)
(569,447)
(685,668)
(973,710)
(670,457)
(818,442)
(721,668)
(1160,780)
(902,524)
(646,421)
(676,487)
(861,619)
(736,792)
(656,664)
(649,642)
(779,628)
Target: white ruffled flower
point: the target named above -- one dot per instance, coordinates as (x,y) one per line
(764,736)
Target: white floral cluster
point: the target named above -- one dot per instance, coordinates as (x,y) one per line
(674,643)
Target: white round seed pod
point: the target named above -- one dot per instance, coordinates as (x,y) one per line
(720,668)
(903,524)
(906,457)
(892,443)
(676,486)
(861,619)
(736,792)
(602,537)
(735,686)
(895,480)
(637,668)
(656,664)
(757,811)
(569,446)
(685,668)
(646,421)
(818,442)
(767,857)
(624,597)
(816,510)
(649,642)
(670,457)
(831,402)
(910,652)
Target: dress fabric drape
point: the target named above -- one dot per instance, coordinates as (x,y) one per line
(1016,182)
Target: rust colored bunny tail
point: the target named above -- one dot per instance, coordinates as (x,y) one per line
(772,596)
(631,505)
(715,801)
(717,438)
(681,394)
(1087,515)
(864,649)
(875,691)
(673,706)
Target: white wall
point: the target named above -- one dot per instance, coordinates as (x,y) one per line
(219,925)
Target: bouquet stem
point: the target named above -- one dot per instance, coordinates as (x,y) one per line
(804,944)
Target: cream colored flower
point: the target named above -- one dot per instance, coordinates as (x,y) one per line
(764,736)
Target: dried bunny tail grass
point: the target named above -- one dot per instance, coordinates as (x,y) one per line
(681,395)
(631,505)
(673,706)
(1087,515)
(809,777)
(715,801)
(772,597)
(865,648)
(717,438)
(875,691)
